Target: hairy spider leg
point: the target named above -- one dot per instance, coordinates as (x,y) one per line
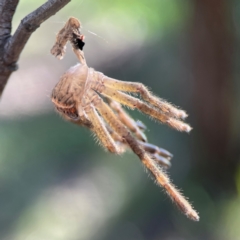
(135,103)
(162,155)
(100,130)
(135,87)
(141,125)
(121,143)
(161,178)
(158,154)
(153,149)
(132,125)
(128,121)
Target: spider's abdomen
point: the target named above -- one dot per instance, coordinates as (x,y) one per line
(70,88)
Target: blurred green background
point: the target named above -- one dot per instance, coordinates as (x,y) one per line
(56,183)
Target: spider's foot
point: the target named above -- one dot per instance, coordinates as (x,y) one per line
(179,125)
(141,125)
(161,160)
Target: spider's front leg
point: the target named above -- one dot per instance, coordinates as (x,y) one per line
(133,103)
(161,178)
(135,87)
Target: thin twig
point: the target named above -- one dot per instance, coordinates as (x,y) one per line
(7,10)
(15,44)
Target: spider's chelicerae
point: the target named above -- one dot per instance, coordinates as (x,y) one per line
(77,97)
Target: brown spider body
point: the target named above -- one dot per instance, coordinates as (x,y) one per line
(78,98)
(74,81)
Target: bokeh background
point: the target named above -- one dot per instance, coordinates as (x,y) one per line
(56,183)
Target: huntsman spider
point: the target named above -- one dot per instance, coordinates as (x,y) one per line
(78,98)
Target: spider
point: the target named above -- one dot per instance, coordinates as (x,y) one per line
(89,98)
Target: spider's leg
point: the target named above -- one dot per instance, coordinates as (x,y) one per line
(132,125)
(122,145)
(153,149)
(161,178)
(100,130)
(133,103)
(128,121)
(161,155)
(135,87)
(141,125)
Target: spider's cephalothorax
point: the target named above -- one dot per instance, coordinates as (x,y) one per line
(77,97)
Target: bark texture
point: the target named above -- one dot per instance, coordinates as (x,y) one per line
(12,46)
